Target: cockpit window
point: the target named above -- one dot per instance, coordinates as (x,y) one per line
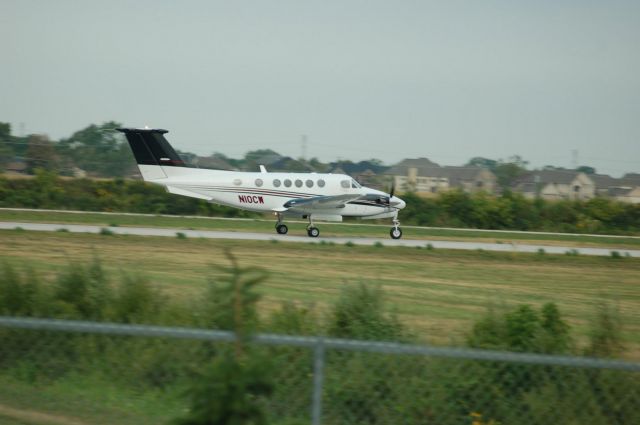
(345,183)
(355,184)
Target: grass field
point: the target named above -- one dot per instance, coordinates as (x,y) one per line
(437,293)
(351,229)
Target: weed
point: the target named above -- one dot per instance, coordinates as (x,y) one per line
(181,235)
(105,231)
(62,229)
(615,255)
(378,244)
(541,251)
(349,244)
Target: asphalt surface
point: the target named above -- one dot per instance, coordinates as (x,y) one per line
(210,234)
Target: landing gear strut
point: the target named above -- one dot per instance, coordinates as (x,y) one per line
(281,228)
(312,230)
(396,231)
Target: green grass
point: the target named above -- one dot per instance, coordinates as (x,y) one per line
(83,400)
(438,293)
(349,229)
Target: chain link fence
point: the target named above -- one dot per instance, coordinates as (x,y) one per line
(72,372)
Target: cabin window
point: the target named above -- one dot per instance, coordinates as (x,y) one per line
(298,183)
(287,183)
(309,183)
(259,182)
(276,183)
(321,183)
(345,183)
(237,182)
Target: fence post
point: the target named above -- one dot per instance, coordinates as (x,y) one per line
(318,377)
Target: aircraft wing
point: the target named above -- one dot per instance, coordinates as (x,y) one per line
(319,203)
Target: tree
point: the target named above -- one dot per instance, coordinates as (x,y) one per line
(41,154)
(359,314)
(99,150)
(586,169)
(479,161)
(231,389)
(507,171)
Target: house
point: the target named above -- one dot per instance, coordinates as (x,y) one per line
(555,184)
(212,162)
(16,167)
(423,176)
(624,189)
(629,195)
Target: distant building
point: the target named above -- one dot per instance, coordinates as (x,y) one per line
(18,167)
(624,189)
(212,163)
(555,184)
(423,176)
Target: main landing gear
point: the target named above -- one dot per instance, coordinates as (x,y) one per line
(312,230)
(281,228)
(396,231)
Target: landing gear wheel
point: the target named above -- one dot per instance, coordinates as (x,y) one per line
(396,233)
(282,229)
(313,232)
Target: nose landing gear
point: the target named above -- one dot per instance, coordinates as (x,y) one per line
(396,231)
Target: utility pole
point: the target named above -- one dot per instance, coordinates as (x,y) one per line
(574,159)
(303,140)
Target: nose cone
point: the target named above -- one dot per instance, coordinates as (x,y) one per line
(398,203)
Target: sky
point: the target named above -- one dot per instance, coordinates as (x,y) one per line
(556,82)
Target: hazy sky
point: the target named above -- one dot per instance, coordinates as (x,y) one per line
(385,79)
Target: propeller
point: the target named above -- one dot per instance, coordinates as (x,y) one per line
(386,200)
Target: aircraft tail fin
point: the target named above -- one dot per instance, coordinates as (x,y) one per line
(150,147)
(152,151)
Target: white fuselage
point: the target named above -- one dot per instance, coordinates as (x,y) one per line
(267,192)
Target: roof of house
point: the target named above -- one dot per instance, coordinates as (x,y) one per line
(619,191)
(631,179)
(213,163)
(463,173)
(402,168)
(603,181)
(547,176)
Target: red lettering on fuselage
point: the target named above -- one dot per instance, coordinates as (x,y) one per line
(250,199)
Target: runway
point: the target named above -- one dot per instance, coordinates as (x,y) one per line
(210,234)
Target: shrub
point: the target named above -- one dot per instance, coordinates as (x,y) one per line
(105,231)
(359,313)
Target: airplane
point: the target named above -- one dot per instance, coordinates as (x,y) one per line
(312,196)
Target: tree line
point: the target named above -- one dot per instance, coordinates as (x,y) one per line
(100,151)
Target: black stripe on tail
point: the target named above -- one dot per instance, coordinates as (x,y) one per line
(151,148)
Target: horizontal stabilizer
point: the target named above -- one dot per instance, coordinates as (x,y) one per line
(183,192)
